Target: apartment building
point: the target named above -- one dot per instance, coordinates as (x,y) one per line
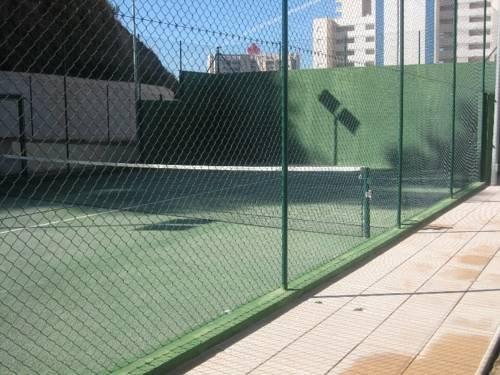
(366,32)
(469,30)
(348,40)
(225,63)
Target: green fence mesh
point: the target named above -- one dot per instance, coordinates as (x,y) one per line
(142,165)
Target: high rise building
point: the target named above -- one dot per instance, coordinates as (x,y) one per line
(349,40)
(470,30)
(366,32)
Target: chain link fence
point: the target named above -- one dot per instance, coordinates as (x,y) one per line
(161,164)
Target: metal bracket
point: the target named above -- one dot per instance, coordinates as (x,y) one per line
(369,194)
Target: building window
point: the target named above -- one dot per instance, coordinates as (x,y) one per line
(370,39)
(479,5)
(478,45)
(345,28)
(367,8)
(475,58)
(370,51)
(444,8)
(479,19)
(344,41)
(369,63)
(445,34)
(478,32)
(370,26)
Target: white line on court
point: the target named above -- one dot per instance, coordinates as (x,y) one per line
(181,167)
(160,166)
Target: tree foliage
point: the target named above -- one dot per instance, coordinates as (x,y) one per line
(79,38)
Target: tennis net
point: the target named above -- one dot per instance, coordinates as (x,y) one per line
(324,199)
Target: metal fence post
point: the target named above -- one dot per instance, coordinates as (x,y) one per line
(65,89)
(345,48)
(134,55)
(485,12)
(22,134)
(454,91)
(401,108)
(419,46)
(496,143)
(284,146)
(180,57)
(217,60)
(483,88)
(30,80)
(66,118)
(108,115)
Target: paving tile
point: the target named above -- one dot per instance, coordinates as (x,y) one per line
(413,324)
(490,277)
(470,259)
(457,347)
(489,299)
(425,366)
(322,347)
(450,218)
(362,278)
(368,359)
(478,217)
(483,244)
(459,274)
(493,226)
(471,319)
(412,275)
(441,285)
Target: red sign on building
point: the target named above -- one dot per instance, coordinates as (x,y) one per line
(253,49)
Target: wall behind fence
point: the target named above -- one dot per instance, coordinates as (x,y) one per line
(213,119)
(75,118)
(334,116)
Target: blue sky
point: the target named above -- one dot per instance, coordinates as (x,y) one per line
(202,25)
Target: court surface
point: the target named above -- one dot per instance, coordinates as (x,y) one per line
(429,305)
(101,267)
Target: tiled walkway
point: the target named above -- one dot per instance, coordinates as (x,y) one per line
(429,305)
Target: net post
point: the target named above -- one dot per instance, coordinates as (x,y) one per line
(401,109)
(454,99)
(284,145)
(367,197)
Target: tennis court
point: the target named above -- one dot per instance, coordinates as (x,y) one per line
(130,242)
(163,170)
(146,248)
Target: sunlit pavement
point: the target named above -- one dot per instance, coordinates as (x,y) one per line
(429,305)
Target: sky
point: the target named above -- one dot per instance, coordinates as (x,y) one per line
(201,26)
